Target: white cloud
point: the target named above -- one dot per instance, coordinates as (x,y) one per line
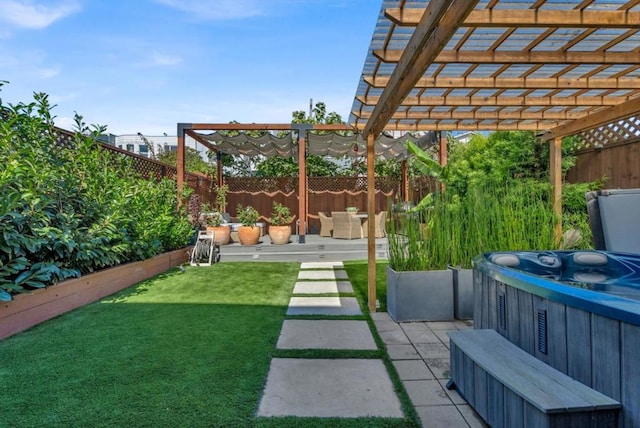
(218,9)
(48,72)
(29,14)
(158,59)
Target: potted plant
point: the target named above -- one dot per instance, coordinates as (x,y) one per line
(280,228)
(214,221)
(249,232)
(353,210)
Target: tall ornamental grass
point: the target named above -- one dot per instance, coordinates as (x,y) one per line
(452,229)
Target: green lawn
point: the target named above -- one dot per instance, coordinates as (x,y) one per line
(183,349)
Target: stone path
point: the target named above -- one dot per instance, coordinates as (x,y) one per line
(336,387)
(357,387)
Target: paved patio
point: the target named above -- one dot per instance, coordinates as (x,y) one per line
(356,387)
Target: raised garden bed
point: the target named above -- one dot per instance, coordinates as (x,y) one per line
(27,310)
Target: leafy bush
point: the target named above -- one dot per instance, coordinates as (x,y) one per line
(67,211)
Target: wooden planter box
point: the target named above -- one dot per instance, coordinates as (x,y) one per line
(420,295)
(27,310)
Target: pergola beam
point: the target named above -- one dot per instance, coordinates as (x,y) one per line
(436,26)
(520,57)
(467,126)
(579,101)
(601,118)
(514,83)
(409,17)
(480,115)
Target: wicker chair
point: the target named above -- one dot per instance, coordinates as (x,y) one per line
(380,221)
(326,224)
(346,225)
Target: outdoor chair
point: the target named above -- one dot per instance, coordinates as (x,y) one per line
(326,224)
(346,225)
(380,221)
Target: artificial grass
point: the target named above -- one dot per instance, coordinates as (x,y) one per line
(358,272)
(186,348)
(182,349)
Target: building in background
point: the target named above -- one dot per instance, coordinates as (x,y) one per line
(146,145)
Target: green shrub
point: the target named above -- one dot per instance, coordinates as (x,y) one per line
(65,211)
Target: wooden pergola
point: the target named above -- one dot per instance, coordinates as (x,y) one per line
(557,68)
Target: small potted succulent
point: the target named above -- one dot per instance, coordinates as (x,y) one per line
(249,232)
(280,229)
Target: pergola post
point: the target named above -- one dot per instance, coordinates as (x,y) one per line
(555,154)
(405,181)
(219,178)
(443,155)
(371,235)
(302,179)
(180,167)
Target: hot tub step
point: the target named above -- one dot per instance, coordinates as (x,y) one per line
(510,388)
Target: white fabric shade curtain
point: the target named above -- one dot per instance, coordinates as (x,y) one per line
(326,144)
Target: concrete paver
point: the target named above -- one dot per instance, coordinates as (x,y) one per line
(324,306)
(402,352)
(321,265)
(322,287)
(394,337)
(326,334)
(441,416)
(426,392)
(347,388)
(412,370)
(322,274)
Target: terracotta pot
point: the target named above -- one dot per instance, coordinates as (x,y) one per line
(249,235)
(280,234)
(221,235)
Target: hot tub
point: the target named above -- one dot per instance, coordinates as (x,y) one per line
(578,311)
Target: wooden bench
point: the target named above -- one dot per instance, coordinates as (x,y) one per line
(510,388)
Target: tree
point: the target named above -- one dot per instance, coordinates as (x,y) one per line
(192,160)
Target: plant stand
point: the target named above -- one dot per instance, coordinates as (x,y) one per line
(420,296)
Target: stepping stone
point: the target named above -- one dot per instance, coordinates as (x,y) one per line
(324,306)
(344,388)
(326,334)
(319,287)
(322,274)
(321,265)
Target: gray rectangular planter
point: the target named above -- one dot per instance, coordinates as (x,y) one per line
(462,293)
(420,296)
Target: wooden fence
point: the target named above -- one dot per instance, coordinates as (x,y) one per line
(619,162)
(324,193)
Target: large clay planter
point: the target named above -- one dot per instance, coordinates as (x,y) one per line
(249,235)
(221,234)
(280,235)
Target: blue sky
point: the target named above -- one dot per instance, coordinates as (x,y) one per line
(145,65)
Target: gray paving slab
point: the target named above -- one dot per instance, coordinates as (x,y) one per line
(432,350)
(412,370)
(472,418)
(426,392)
(402,352)
(454,396)
(322,287)
(322,274)
(347,388)
(381,316)
(440,367)
(324,306)
(326,334)
(321,265)
(386,326)
(420,333)
(441,417)
(394,337)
